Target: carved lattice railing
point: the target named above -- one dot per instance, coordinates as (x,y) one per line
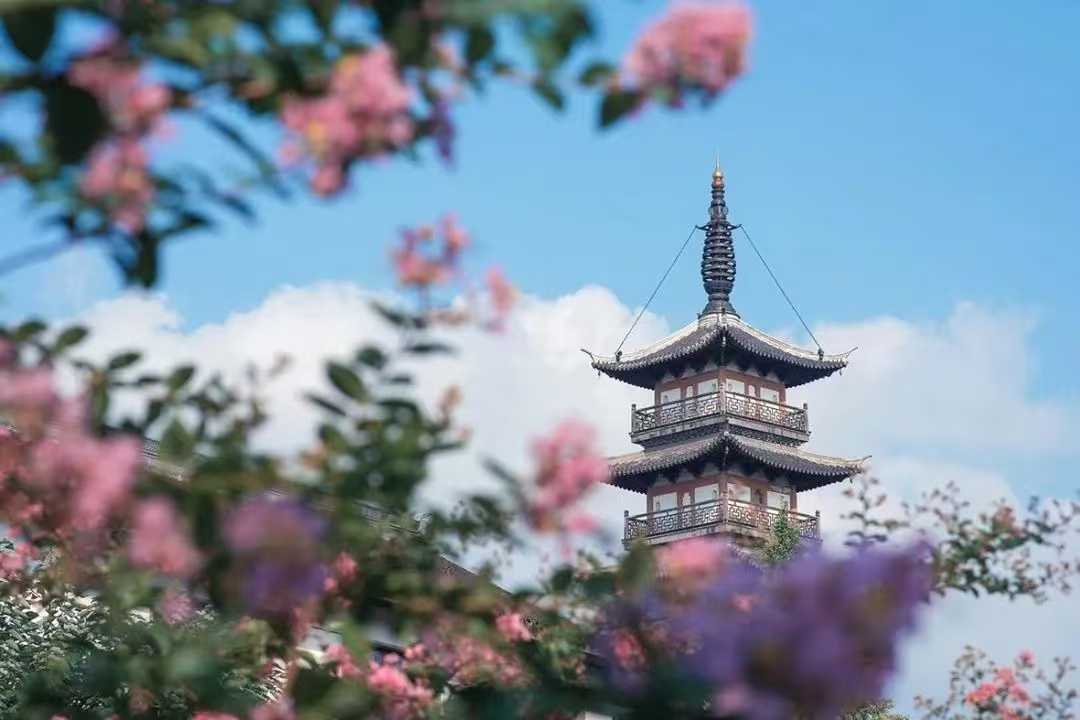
(713,512)
(718,403)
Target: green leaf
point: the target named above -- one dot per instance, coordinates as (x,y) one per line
(73,120)
(616,105)
(333,438)
(325,404)
(182,49)
(550,93)
(180,377)
(346,381)
(153,412)
(28,331)
(31,31)
(71,337)
(596,73)
(124,360)
(479,44)
(428,348)
(372,356)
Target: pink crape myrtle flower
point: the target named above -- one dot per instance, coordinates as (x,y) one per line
(691,562)
(118,178)
(176,607)
(402,698)
(345,664)
(281,709)
(700,44)
(159,542)
(511,626)
(503,296)
(422,264)
(364,112)
(134,105)
(567,466)
(93,476)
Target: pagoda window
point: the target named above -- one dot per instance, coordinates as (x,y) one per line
(770,395)
(706,493)
(708,386)
(667,501)
(736,386)
(738,492)
(779,500)
(670,396)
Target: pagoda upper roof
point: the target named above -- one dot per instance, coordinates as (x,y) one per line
(721,338)
(719,334)
(804,470)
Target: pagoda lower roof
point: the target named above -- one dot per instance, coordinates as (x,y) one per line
(722,338)
(804,470)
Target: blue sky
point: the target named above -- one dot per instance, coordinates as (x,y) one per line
(887,157)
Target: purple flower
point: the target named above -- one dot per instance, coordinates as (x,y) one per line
(817,635)
(276,541)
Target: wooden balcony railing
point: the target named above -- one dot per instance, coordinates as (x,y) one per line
(716,512)
(719,403)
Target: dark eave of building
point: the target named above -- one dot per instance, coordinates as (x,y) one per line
(804,470)
(720,338)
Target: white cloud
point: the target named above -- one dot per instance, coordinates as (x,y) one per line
(917,396)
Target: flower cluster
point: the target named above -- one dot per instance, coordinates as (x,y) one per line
(276,541)
(117,177)
(696,45)
(58,482)
(451,650)
(159,542)
(422,263)
(364,112)
(567,466)
(818,635)
(1022,691)
(401,697)
(430,257)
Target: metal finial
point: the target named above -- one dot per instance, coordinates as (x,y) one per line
(718,255)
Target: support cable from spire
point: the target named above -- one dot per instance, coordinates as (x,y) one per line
(780,287)
(667,272)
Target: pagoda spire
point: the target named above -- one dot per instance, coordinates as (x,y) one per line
(718,255)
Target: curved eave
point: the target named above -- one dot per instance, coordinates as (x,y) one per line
(723,339)
(805,470)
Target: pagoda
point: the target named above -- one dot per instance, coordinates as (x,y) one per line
(721,449)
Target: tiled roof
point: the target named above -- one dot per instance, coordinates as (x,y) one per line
(806,470)
(711,335)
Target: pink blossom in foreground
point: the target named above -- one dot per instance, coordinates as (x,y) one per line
(401,697)
(691,562)
(700,44)
(92,476)
(176,607)
(364,112)
(512,628)
(118,178)
(277,710)
(159,542)
(422,263)
(502,296)
(345,665)
(567,466)
(135,106)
